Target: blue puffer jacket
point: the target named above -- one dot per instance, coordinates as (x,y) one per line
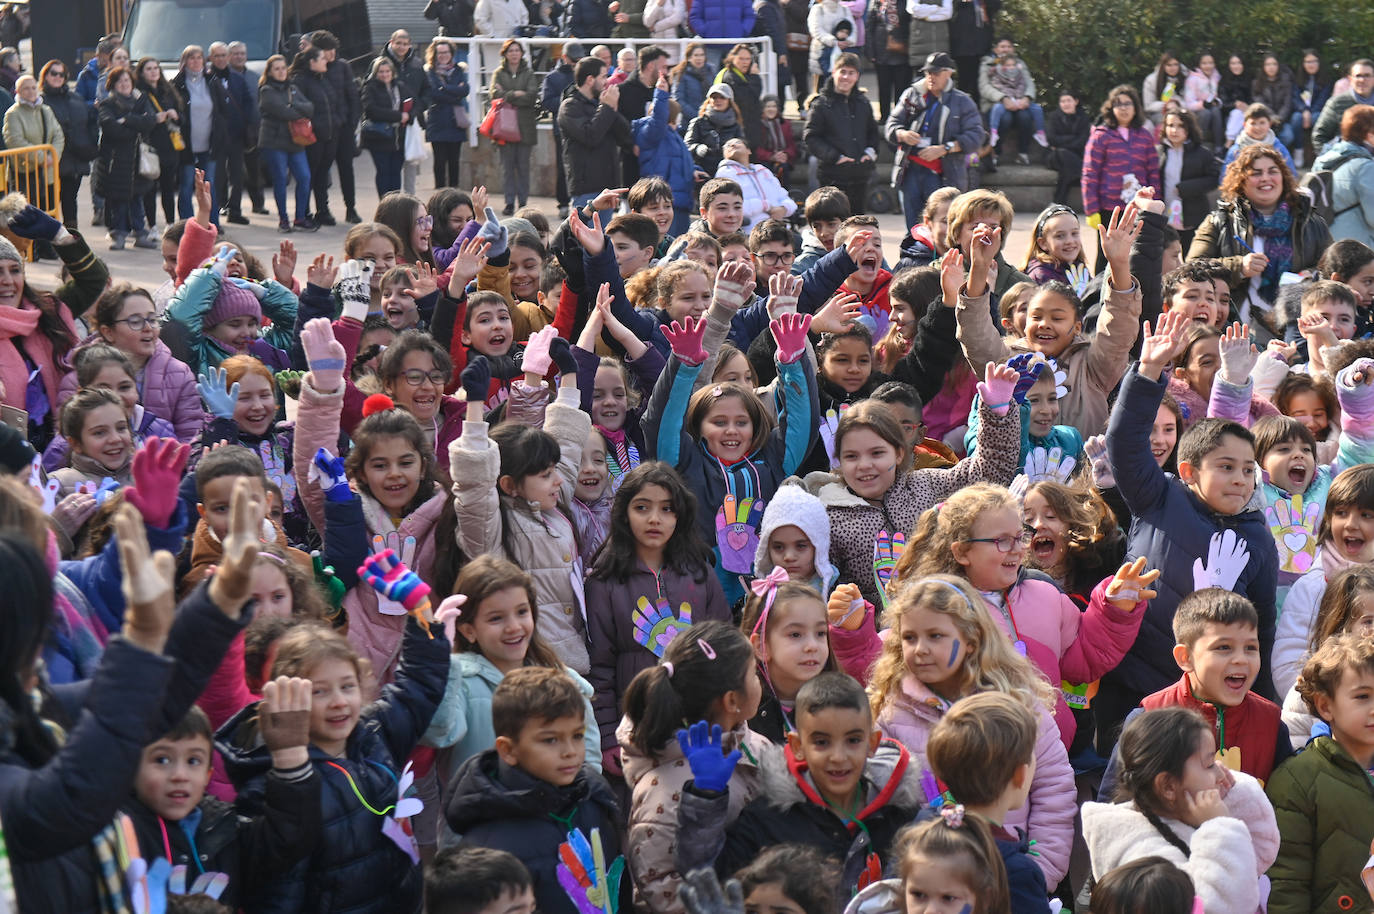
(1352,190)
(722,18)
(589,19)
(355,869)
(690,92)
(662,153)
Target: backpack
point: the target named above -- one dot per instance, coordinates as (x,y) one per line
(1320,186)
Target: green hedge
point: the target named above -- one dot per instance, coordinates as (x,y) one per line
(1088,46)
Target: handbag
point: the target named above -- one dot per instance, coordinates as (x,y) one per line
(896,44)
(502,124)
(173,131)
(302,131)
(148,165)
(461,118)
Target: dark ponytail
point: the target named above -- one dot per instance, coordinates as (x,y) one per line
(1154,743)
(700,665)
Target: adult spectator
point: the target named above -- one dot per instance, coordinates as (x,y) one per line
(737,72)
(970,36)
(1119,158)
(1188,172)
(1067,129)
(1310,93)
(204,129)
(628,16)
(777,150)
(348,111)
(928,31)
(842,133)
(663,18)
(1361,74)
(1352,160)
(119,57)
(149,80)
(89,77)
(1201,95)
(1164,84)
(240,123)
(454,17)
(885,43)
(721,19)
(410,76)
(447,92)
(933,127)
(590,19)
(11,65)
(125,118)
(718,122)
(691,78)
(593,131)
(29,122)
(1273,87)
(1236,92)
(307,75)
(78,123)
(252,162)
(1260,229)
(625,63)
(499,19)
(556,84)
(385,116)
(770,23)
(636,95)
(823,23)
(794,14)
(1008,93)
(280,103)
(514,82)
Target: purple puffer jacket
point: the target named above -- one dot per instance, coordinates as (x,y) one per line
(167,389)
(145,425)
(1107,160)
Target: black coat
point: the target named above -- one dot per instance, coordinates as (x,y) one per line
(970,34)
(593,135)
(454,16)
(705,139)
(504,808)
(410,73)
(1068,131)
(78,122)
(123,122)
(51,814)
(381,118)
(240,109)
(748,89)
(355,868)
(841,125)
(219,115)
(1198,177)
(161,137)
(343,96)
(315,87)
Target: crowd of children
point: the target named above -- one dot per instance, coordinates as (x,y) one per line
(567,568)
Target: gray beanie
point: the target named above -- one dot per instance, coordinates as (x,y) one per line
(8,251)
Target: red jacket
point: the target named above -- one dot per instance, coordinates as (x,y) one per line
(1252,726)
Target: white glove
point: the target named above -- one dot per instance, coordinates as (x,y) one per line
(1096,450)
(1051,465)
(354,286)
(1227,556)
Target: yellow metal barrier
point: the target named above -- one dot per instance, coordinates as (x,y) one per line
(32,171)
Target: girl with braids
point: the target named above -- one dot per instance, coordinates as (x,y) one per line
(1177,801)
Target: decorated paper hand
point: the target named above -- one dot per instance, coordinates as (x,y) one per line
(47,491)
(1096,450)
(391,579)
(1226,558)
(1049,465)
(1131,585)
(327,472)
(1079,277)
(404,549)
(829,424)
(706,756)
(1294,526)
(582,872)
(1019,487)
(737,533)
(887,551)
(656,626)
(100,491)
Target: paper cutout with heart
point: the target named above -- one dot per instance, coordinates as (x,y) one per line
(737,533)
(656,626)
(887,551)
(1294,525)
(829,423)
(46,490)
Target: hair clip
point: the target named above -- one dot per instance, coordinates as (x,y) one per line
(706,648)
(953,814)
(278,559)
(767,587)
(717,390)
(668,665)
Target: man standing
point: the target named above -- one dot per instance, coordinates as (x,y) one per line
(241,129)
(593,131)
(636,94)
(347,108)
(454,16)
(1361,93)
(252,166)
(410,76)
(933,125)
(842,133)
(556,85)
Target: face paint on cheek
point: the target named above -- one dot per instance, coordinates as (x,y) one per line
(953,653)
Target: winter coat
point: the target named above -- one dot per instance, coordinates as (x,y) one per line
(929,30)
(343,96)
(382,127)
(540,542)
(505,808)
(761,189)
(1198,176)
(657,783)
(990,93)
(167,390)
(913,711)
(589,19)
(1093,365)
(855,522)
(1322,799)
(499,18)
(447,94)
(1172,528)
(842,125)
(240,111)
(722,18)
(355,867)
(1216,237)
(1195,408)
(613,608)
(142,424)
(748,89)
(1352,190)
(1277,95)
(410,73)
(1227,856)
(1252,729)
(706,138)
(958,121)
(690,91)
(1293,634)
(1232,89)
(1200,90)
(77,121)
(635,27)
(33,125)
(970,28)
(316,90)
(1151,94)
(220,103)
(663,17)
(1107,159)
(664,154)
(1316,91)
(1244,140)
(1068,132)
(821,20)
(454,16)
(790,810)
(281,103)
(196,297)
(593,135)
(504,84)
(124,120)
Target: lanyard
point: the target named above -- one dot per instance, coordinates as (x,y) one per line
(358,793)
(167,844)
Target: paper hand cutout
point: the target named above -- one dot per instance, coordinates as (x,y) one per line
(1226,558)
(46,491)
(583,874)
(737,533)
(656,626)
(887,551)
(830,422)
(404,547)
(1294,526)
(1078,276)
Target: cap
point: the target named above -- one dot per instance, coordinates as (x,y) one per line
(723,90)
(939,61)
(230,303)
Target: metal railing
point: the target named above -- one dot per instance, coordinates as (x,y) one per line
(32,171)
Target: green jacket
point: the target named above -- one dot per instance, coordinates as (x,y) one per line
(504,83)
(33,125)
(1324,803)
(635,27)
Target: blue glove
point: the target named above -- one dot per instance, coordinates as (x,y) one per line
(328,472)
(492,230)
(711,767)
(34,224)
(219,397)
(476,379)
(258,289)
(1030,367)
(562,355)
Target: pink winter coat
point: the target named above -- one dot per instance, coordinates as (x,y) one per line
(1195,408)
(167,389)
(1048,815)
(22,323)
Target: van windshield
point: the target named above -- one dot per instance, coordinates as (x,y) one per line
(162,28)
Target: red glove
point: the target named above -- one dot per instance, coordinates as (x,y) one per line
(157,472)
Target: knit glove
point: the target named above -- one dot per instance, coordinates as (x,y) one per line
(220,399)
(476,379)
(1096,449)
(1029,365)
(685,340)
(1356,383)
(258,289)
(733,286)
(354,288)
(324,354)
(998,387)
(495,233)
(157,472)
(327,471)
(711,766)
(36,225)
(387,575)
(220,263)
(536,359)
(789,330)
(561,351)
(700,893)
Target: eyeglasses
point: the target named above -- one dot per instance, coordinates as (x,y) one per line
(917,427)
(1008,542)
(138,322)
(773,259)
(424,222)
(415,377)
(1123,103)
(57,74)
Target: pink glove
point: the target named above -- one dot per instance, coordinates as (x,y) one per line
(790,332)
(685,338)
(157,472)
(537,358)
(324,354)
(998,388)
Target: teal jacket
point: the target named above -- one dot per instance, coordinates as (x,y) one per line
(1065,437)
(196,296)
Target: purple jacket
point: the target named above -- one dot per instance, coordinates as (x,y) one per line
(167,390)
(1108,158)
(145,425)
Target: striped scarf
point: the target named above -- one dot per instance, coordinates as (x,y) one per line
(625,456)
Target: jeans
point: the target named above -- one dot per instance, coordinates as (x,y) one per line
(388,161)
(918,184)
(1028,121)
(581,200)
(447,157)
(1293,135)
(124,216)
(207,163)
(279,161)
(515,172)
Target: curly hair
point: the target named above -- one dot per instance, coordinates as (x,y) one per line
(930,547)
(1091,528)
(1233,183)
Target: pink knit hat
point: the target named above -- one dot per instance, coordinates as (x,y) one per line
(232,302)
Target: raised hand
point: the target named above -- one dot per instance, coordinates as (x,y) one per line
(1120,232)
(327,580)
(479,198)
(591,885)
(204,198)
(609,198)
(324,354)
(354,288)
(232,585)
(1294,525)
(1161,345)
(157,471)
(327,472)
(1096,450)
(1358,373)
(258,289)
(425,283)
(656,626)
(685,340)
(783,291)
(34,224)
(700,893)
(321,272)
(472,257)
(987,241)
(560,350)
(789,331)
(476,379)
(1227,556)
(220,262)
(536,360)
(734,285)
(952,275)
(737,533)
(590,237)
(997,386)
(846,607)
(1131,585)
(1238,354)
(284,263)
(1317,330)
(72,512)
(494,232)
(887,552)
(387,575)
(284,721)
(148,580)
(404,549)
(702,747)
(837,314)
(220,399)
(1049,465)
(1029,365)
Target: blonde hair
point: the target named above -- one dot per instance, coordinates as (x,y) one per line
(990,664)
(930,549)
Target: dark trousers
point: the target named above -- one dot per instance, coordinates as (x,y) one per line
(1069,164)
(447,157)
(560,190)
(70,185)
(968,74)
(231,178)
(166,186)
(388,161)
(892,79)
(211,163)
(345,151)
(797,62)
(321,155)
(253,179)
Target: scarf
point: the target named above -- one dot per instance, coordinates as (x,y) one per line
(625,458)
(1277,231)
(773,140)
(1333,563)
(722,119)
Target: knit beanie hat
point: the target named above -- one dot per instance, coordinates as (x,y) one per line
(232,302)
(16,454)
(793,505)
(8,251)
